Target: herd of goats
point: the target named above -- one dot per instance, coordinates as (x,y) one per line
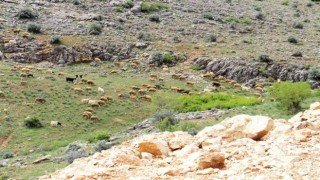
(136,92)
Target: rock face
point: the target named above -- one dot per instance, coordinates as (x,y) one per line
(244,72)
(245,147)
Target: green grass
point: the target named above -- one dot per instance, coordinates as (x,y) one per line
(152,6)
(238,20)
(213,100)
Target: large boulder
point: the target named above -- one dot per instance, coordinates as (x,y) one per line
(157,148)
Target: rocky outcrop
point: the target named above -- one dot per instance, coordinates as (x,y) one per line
(28,50)
(246,72)
(245,147)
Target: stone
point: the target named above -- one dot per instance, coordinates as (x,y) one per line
(258,127)
(210,160)
(156,148)
(42,159)
(315,106)
(4,162)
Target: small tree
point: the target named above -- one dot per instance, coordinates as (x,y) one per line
(290,95)
(32,123)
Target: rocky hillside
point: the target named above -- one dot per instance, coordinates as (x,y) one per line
(243,147)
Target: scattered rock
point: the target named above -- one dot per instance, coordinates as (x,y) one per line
(42,159)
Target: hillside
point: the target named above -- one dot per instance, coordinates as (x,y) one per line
(240,147)
(81,76)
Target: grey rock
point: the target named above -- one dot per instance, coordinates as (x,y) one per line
(4,162)
(42,159)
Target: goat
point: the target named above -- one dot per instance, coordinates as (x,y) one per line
(55,123)
(100,90)
(40,100)
(69,79)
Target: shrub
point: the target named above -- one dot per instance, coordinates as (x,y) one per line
(292,39)
(95,28)
(102,145)
(260,16)
(195,67)
(55,39)
(298,25)
(160,58)
(314,74)
(154,18)
(164,113)
(118,9)
(152,6)
(168,58)
(144,36)
(6,155)
(72,155)
(26,13)
(212,37)
(290,95)
(98,136)
(98,18)
(213,100)
(76,2)
(264,58)
(34,28)
(32,123)
(128,4)
(285,2)
(167,124)
(208,16)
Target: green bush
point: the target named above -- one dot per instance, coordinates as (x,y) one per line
(128,4)
(260,16)
(98,136)
(26,13)
(76,2)
(168,58)
(144,36)
(55,39)
(290,95)
(195,67)
(167,124)
(213,100)
(6,155)
(264,58)
(32,123)
(154,18)
(212,37)
(118,9)
(34,28)
(298,25)
(292,39)
(160,58)
(314,74)
(208,16)
(95,28)
(152,6)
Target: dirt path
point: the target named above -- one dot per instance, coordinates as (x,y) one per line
(6,140)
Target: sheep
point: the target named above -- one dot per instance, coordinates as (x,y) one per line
(161,79)
(25,35)
(216,84)
(55,123)
(142,91)
(153,76)
(40,100)
(258,85)
(134,98)
(94,118)
(247,89)
(165,69)
(100,90)
(257,94)
(183,91)
(23,83)
(89,110)
(25,70)
(134,65)
(109,98)
(30,75)
(175,76)
(97,60)
(87,114)
(24,75)
(95,105)
(181,78)
(237,85)
(103,98)
(152,65)
(152,79)
(207,75)
(152,90)
(101,102)
(145,85)
(77,90)
(121,96)
(118,64)
(90,82)
(135,88)
(85,100)
(14,69)
(2,94)
(132,93)
(146,98)
(88,88)
(191,83)
(149,86)
(174,89)
(259,89)
(5,111)
(84,80)
(69,79)
(114,72)
(16,31)
(60,74)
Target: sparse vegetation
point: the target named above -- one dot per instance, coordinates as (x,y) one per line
(264,58)
(27,13)
(34,28)
(208,16)
(144,36)
(95,28)
(154,18)
(292,39)
(298,25)
(213,100)
(314,74)
(55,39)
(152,6)
(32,123)
(128,4)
